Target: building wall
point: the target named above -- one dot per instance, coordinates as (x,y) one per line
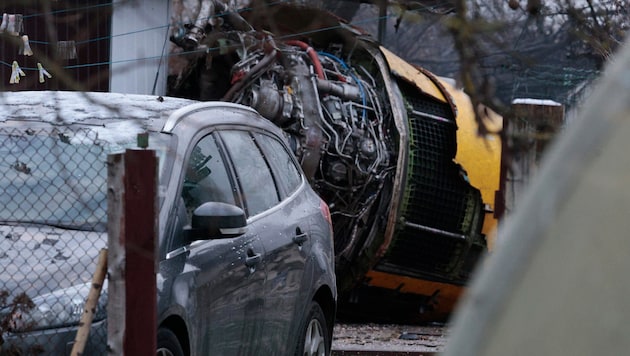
(140,34)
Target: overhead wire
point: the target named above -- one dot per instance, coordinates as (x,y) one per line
(568,72)
(154,28)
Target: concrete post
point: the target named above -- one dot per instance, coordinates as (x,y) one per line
(528,131)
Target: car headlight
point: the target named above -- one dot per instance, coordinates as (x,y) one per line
(60,308)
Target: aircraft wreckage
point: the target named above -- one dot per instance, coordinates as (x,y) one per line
(392,148)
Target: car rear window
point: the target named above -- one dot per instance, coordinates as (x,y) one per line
(283,166)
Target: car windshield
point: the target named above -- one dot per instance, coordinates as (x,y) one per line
(58,176)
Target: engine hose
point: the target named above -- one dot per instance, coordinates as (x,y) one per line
(267,60)
(311,54)
(354,77)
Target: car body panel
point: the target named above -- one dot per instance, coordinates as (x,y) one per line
(222,289)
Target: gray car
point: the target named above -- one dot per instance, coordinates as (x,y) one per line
(265,286)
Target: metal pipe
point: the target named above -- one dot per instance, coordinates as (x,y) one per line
(434,230)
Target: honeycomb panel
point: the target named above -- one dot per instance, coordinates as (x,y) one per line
(437,197)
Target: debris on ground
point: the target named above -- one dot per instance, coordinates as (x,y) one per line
(390,337)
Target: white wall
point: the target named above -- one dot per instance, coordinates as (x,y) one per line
(139,32)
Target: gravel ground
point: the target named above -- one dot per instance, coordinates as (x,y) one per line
(389,337)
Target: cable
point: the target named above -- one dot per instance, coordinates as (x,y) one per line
(157,73)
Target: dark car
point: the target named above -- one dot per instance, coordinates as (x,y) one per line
(265,286)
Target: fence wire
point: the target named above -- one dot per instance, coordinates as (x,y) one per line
(52,225)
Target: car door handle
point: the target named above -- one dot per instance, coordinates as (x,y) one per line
(300,237)
(252,258)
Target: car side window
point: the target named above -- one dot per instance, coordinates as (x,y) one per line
(252,171)
(206,176)
(283,166)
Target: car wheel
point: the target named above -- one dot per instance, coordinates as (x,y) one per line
(167,343)
(315,336)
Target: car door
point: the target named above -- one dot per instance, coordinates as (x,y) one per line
(261,199)
(222,279)
(283,229)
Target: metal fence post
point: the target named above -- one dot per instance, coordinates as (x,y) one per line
(132,234)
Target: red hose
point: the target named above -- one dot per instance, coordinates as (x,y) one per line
(312,54)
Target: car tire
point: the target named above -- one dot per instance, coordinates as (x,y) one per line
(314,335)
(168,344)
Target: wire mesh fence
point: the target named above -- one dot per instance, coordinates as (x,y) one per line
(52,226)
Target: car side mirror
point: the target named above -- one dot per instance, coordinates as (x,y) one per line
(215,220)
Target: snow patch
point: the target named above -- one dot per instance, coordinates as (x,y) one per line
(69,107)
(528,101)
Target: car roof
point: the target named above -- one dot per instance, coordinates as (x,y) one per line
(222,113)
(155,113)
(93,108)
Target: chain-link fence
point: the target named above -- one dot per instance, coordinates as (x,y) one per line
(52,225)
